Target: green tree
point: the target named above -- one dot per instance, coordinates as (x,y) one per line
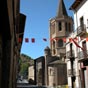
(24,68)
(24,62)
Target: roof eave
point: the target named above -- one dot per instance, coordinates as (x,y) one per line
(75,4)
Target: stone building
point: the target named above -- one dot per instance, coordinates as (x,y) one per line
(9,51)
(39,67)
(55,70)
(60,28)
(36,71)
(52,66)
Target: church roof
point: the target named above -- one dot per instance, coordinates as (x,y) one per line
(61,9)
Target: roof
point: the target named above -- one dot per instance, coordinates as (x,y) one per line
(39,59)
(75,4)
(47,48)
(61,9)
(57,62)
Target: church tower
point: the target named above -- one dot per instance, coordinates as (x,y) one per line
(60,27)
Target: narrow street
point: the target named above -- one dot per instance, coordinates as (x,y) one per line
(31,56)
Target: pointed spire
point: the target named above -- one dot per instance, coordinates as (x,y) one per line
(62,9)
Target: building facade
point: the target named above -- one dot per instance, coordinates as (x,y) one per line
(54,67)
(77,47)
(72,62)
(9,51)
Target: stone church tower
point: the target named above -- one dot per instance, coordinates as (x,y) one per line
(60,28)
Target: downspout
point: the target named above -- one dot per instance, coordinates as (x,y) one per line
(72,60)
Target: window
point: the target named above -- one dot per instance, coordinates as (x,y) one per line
(85,49)
(69,27)
(54,51)
(66,26)
(53,44)
(59,26)
(71,52)
(84,45)
(81,21)
(60,43)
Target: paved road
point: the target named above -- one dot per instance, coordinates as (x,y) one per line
(30,86)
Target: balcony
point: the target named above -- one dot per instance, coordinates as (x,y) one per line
(70,73)
(81,30)
(83,55)
(69,55)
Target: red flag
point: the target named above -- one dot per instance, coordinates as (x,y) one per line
(76,39)
(64,39)
(44,39)
(19,40)
(33,40)
(70,39)
(87,39)
(51,39)
(77,44)
(26,40)
(56,39)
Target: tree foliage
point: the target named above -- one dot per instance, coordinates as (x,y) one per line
(24,68)
(25,61)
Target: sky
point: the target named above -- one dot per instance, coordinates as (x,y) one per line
(38,13)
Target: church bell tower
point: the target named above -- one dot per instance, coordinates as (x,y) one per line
(60,27)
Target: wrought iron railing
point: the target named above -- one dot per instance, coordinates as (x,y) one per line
(83,54)
(81,29)
(71,73)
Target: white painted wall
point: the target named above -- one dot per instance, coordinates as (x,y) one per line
(82,10)
(75,66)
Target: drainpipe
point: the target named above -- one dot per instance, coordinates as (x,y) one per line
(72,59)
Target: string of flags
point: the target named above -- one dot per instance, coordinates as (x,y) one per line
(27,40)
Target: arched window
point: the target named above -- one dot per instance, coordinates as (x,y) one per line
(69,27)
(54,51)
(54,48)
(59,26)
(66,28)
(60,43)
(53,44)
